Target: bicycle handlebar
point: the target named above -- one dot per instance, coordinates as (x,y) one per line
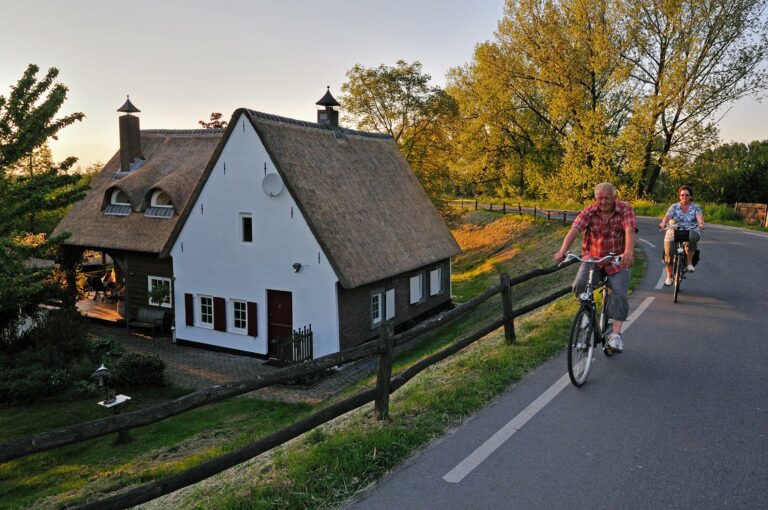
(571,256)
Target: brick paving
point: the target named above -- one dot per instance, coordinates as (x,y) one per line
(196,368)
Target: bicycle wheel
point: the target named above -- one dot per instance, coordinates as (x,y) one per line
(677,274)
(581,346)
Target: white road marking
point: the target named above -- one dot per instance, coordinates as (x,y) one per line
(466,466)
(648,243)
(661,278)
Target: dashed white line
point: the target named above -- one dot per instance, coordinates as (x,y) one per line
(648,243)
(476,458)
(663,277)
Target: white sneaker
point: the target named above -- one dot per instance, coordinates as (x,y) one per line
(690,268)
(668,281)
(615,343)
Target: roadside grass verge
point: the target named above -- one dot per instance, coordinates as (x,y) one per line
(331,464)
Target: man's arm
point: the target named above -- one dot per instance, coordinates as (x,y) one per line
(628,257)
(569,237)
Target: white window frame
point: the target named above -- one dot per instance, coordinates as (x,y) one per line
(155,195)
(201,322)
(241,227)
(416,289)
(244,311)
(113,198)
(389,308)
(377,308)
(168,303)
(436,281)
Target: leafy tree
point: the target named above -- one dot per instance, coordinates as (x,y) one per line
(399,101)
(214,123)
(690,57)
(27,121)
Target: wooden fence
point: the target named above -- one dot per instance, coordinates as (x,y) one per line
(295,349)
(511,208)
(382,347)
(753,213)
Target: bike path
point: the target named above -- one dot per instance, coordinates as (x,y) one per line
(679,420)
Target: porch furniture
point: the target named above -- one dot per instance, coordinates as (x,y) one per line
(148,318)
(98,287)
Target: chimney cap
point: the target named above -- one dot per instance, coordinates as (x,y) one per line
(328,100)
(128,107)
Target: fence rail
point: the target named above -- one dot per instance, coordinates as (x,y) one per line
(753,213)
(512,208)
(383,348)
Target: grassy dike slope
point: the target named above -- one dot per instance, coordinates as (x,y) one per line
(330,465)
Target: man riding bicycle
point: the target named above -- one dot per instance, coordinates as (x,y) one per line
(609,227)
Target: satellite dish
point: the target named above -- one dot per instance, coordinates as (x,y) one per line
(272,185)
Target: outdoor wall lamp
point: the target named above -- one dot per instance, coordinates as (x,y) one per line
(296,267)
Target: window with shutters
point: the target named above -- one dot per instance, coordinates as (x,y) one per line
(377,307)
(206,311)
(240,317)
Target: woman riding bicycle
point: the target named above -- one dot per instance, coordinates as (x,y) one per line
(687,215)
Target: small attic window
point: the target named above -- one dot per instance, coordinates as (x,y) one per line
(119,204)
(160,205)
(160,199)
(119,197)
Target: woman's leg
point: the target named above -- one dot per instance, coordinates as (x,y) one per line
(669,246)
(691,245)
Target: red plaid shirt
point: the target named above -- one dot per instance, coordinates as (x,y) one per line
(602,238)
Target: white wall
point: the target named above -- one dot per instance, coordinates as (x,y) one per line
(209,257)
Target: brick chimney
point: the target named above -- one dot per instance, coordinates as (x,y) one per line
(329,116)
(130,136)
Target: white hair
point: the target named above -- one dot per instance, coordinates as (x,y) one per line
(606,186)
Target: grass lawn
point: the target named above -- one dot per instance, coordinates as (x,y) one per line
(329,465)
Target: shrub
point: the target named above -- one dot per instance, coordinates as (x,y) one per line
(134,369)
(26,384)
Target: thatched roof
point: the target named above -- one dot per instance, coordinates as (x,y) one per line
(174,162)
(361,199)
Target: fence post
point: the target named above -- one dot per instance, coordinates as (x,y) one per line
(565,217)
(520,209)
(384,372)
(475,204)
(549,215)
(506,305)
(504,207)
(491,207)
(534,211)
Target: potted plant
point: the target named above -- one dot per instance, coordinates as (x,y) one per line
(159,294)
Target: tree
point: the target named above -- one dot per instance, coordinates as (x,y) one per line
(690,57)
(27,121)
(215,122)
(399,101)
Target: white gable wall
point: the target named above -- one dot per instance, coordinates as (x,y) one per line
(210,259)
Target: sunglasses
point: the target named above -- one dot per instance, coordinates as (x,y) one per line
(685,194)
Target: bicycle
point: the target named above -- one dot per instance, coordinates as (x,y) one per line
(584,336)
(679,260)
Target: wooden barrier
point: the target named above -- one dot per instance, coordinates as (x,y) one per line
(753,213)
(385,385)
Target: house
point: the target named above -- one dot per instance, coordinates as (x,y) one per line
(287,224)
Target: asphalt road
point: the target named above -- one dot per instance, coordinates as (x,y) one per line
(679,420)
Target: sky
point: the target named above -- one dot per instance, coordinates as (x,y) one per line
(180,60)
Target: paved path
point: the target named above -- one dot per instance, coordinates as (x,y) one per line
(676,421)
(196,368)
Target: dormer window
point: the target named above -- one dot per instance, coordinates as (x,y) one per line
(119,204)
(161,199)
(119,197)
(160,205)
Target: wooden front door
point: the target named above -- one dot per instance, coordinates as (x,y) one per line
(279,316)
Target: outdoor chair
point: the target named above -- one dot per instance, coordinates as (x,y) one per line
(98,288)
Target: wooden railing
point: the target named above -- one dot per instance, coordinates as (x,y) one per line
(382,347)
(295,349)
(516,208)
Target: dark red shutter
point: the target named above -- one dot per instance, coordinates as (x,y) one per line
(253,325)
(219,314)
(189,307)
